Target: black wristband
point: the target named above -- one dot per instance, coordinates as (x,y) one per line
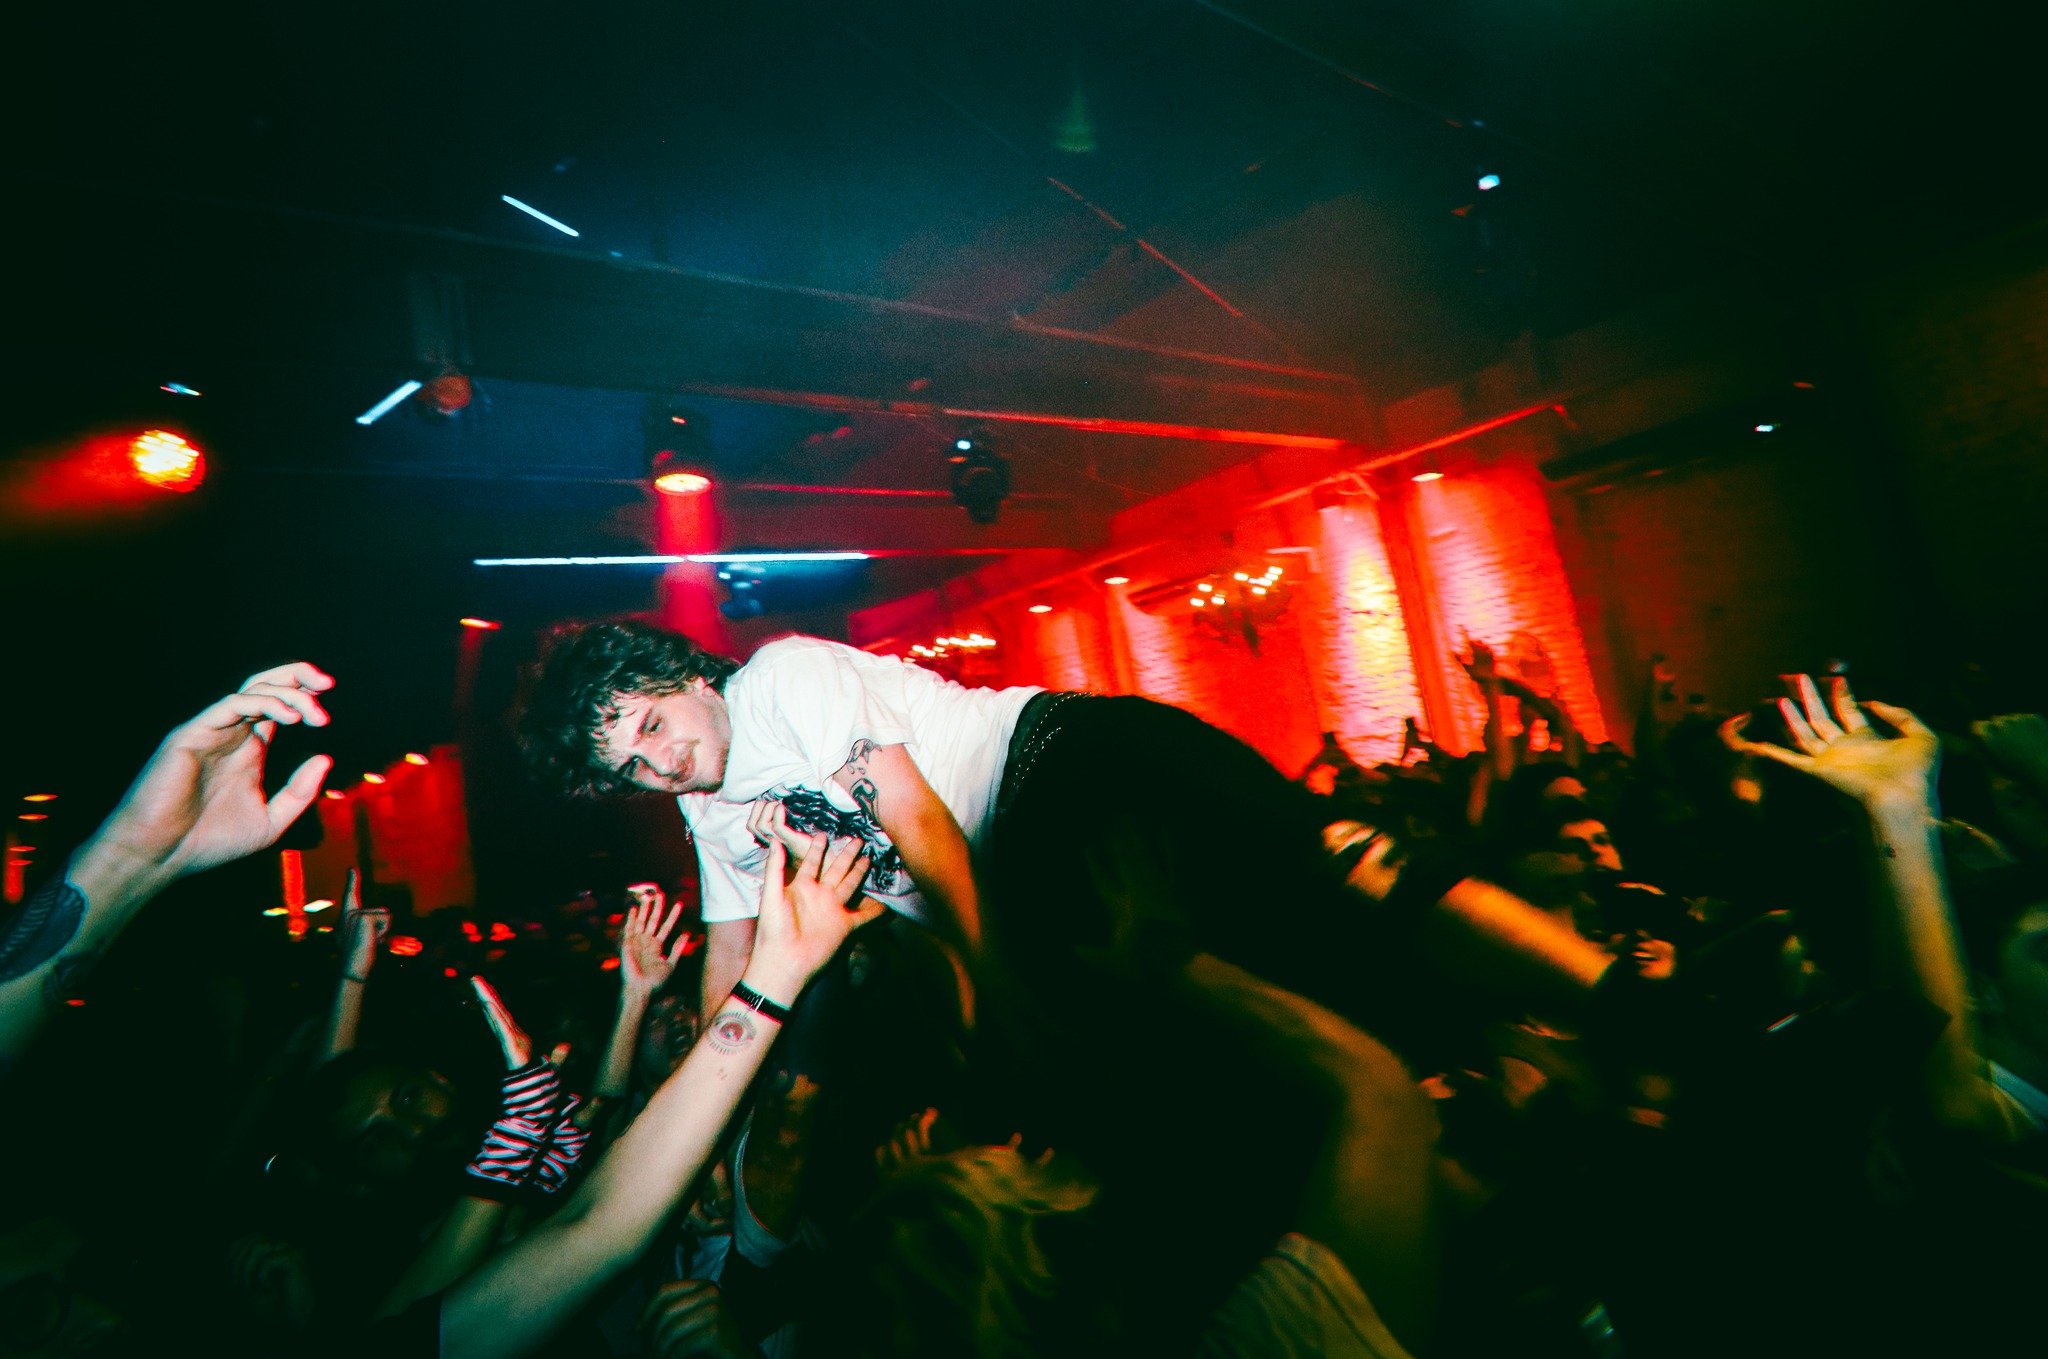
(760,1004)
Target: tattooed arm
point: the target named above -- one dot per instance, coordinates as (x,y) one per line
(198,803)
(512,1304)
(891,791)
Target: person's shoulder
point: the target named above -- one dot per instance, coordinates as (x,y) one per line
(797,654)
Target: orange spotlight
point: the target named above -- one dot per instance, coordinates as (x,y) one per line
(414,757)
(480,624)
(166,461)
(373,778)
(40,797)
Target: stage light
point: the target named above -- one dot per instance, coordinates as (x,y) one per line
(335,796)
(1039,608)
(40,797)
(980,478)
(33,816)
(406,946)
(277,910)
(178,389)
(1766,429)
(1488,181)
(166,461)
(537,215)
(320,905)
(389,403)
(413,757)
(373,778)
(449,394)
(1116,580)
(1431,475)
(681,483)
(481,624)
(678,442)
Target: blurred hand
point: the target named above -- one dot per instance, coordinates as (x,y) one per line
(687,1320)
(199,801)
(1838,746)
(361,930)
(910,1142)
(2018,744)
(804,920)
(1481,665)
(644,966)
(512,1039)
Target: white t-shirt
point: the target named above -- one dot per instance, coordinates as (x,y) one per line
(798,708)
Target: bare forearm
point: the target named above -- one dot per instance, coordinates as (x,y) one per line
(615,1076)
(462,1241)
(728,947)
(61,931)
(935,851)
(517,1300)
(345,1018)
(1908,858)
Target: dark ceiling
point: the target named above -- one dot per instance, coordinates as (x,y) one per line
(231,195)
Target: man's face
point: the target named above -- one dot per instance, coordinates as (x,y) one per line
(1590,843)
(670,743)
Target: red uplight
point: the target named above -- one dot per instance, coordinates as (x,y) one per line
(481,624)
(166,461)
(471,932)
(450,972)
(406,946)
(682,483)
(373,778)
(414,757)
(34,816)
(609,963)
(500,932)
(1427,476)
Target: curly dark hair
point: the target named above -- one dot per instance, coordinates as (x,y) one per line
(572,691)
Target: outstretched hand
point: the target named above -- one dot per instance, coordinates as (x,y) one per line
(1837,745)
(644,965)
(199,801)
(512,1039)
(804,920)
(361,930)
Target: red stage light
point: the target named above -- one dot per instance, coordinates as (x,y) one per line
(406,946)
(480,624)
(40,797)
(373,778)
(448,394)
(609,963)
(414,757)
(166,461)
(682,483)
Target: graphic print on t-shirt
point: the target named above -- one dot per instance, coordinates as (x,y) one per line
(809,812)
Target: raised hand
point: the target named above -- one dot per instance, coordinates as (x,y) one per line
(644,965)
(912,1141)
(1481,665)
(361,930)
(1836,744)
(199,801)
(512,1039)
(805,919)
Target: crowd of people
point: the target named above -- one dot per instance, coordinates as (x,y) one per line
(1004,1023)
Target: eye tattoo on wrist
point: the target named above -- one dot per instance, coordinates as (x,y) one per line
(731,1031)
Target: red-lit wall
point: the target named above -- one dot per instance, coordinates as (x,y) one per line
(1378,581)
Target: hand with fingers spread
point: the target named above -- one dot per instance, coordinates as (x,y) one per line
(644,964)
(1835,743)
(912,1141)
(805,919)
(199,801)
